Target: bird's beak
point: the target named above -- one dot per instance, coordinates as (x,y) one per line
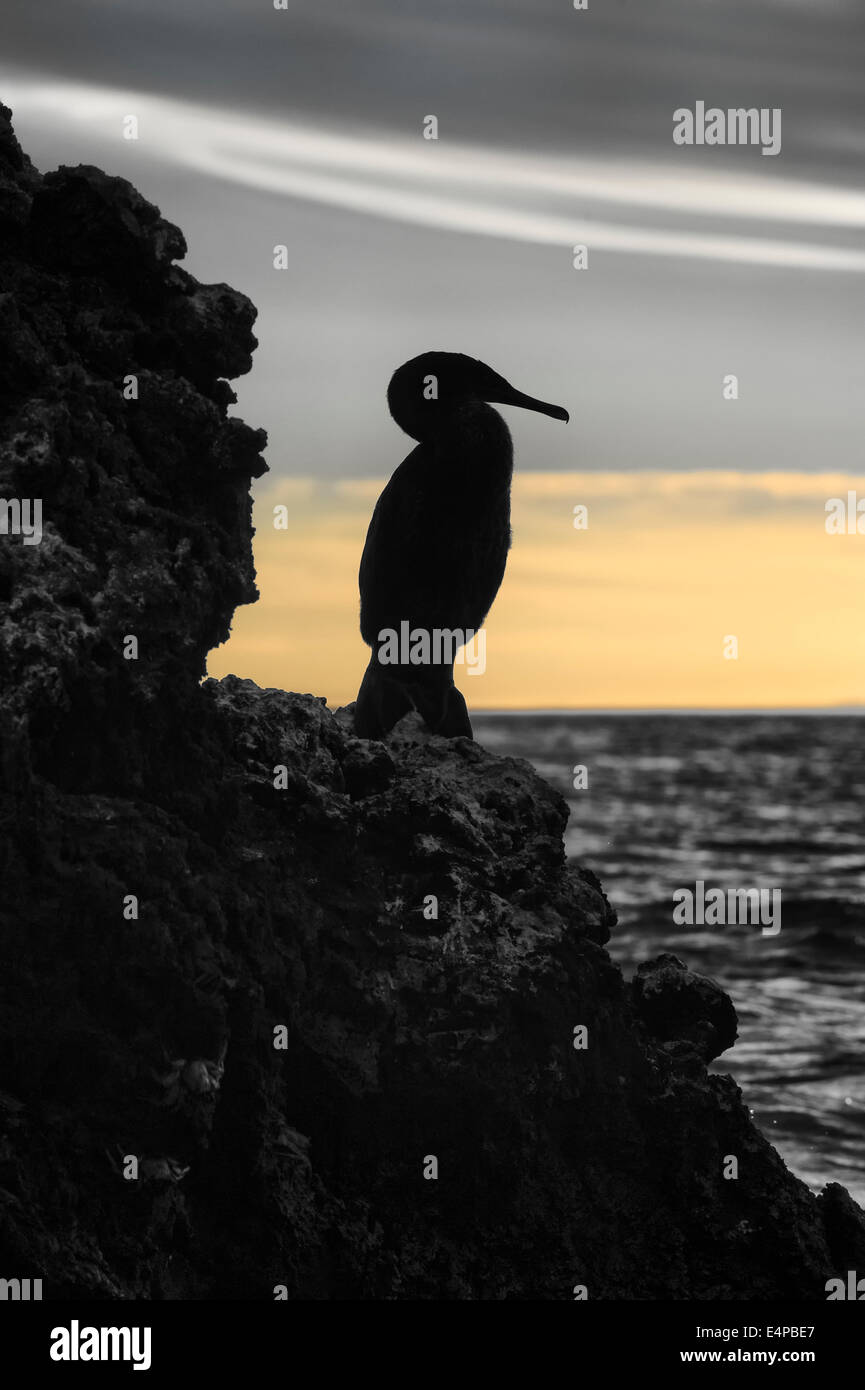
(506,395)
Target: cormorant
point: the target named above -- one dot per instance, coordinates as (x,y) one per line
(438,540)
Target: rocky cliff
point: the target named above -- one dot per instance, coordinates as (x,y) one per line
(280,1007)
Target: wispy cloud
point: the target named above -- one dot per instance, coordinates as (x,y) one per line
(478,190)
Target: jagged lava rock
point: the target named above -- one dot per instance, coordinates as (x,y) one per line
(399,915)
(145,502)
(678,1006)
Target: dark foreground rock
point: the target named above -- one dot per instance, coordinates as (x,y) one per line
(284,971)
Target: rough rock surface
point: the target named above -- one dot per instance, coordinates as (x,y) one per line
(295,901)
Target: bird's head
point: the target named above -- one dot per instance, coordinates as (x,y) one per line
(424,391)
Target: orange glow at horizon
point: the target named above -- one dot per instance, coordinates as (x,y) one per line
(632,612)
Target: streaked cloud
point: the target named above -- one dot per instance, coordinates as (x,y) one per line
(482,191)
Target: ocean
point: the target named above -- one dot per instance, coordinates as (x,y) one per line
(768,801)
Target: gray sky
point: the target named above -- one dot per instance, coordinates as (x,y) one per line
(303,127)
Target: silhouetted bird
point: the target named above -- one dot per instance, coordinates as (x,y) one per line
(439,537)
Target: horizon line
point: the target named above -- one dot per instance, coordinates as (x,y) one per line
(717,710)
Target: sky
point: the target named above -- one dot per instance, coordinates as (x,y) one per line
(706,516)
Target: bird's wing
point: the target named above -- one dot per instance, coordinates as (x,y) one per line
(393,549)
(437,543)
